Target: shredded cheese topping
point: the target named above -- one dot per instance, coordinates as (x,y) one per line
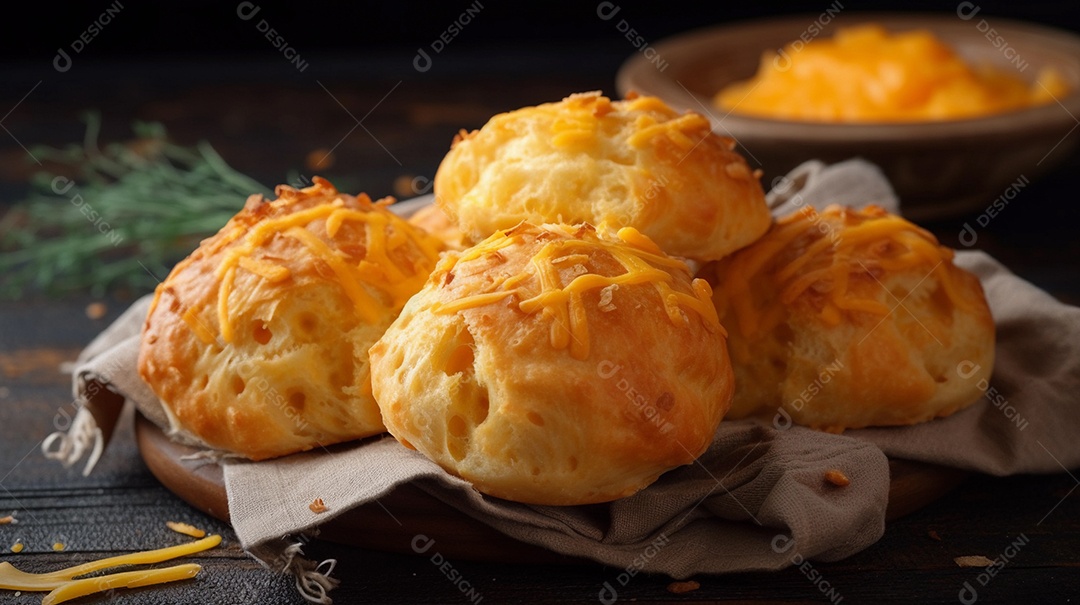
(186,529)
(847,242)
(384,231)
(128,579)
(64,586)
(642,260)
(577,121)
(866,73)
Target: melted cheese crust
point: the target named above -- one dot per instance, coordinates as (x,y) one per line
(641,259)
(384,234)
(851,318)
(825,250)
(587,159)
(555,365)
(256,342)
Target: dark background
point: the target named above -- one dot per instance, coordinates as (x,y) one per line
(207,74)
(147,30)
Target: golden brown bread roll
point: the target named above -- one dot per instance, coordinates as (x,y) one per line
(852,318)
(634,163)
(433,220)
(257,343)
(551,365)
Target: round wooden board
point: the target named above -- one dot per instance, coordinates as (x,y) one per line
(913,485)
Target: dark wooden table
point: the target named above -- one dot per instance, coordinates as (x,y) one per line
(384,121)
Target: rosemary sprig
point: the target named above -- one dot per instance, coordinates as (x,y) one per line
(128,214)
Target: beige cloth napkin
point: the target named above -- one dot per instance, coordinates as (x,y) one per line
(756,492)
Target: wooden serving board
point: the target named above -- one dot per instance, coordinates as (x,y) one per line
(913,485)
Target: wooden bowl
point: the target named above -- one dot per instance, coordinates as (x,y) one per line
(939,169)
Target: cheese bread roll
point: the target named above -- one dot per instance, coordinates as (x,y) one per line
(551,365)
(852,318)
(635,163)
(257,343)
(433,220)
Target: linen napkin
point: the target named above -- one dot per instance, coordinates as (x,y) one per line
(756,500)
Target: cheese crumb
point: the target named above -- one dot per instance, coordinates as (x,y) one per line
(96,310)
(570,259)
(837,478)
(683,587)
(605,298)
(184,528)
(318,506)
(973,561)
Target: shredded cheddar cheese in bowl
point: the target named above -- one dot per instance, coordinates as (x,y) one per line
(866,74)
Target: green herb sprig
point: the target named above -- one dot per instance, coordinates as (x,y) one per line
(129,213)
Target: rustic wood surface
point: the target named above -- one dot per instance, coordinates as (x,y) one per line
(265,118)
